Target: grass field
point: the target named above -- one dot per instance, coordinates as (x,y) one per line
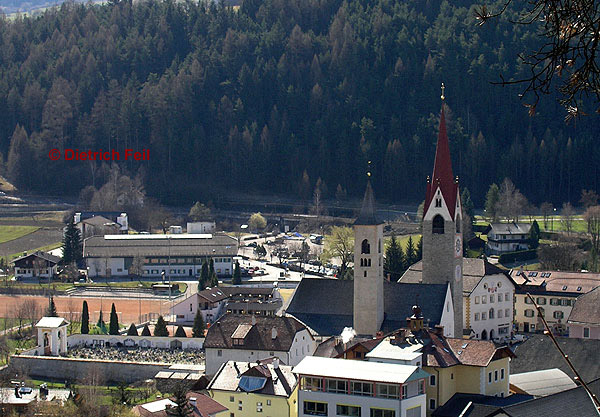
(8,233)
(46,248)
(554,223)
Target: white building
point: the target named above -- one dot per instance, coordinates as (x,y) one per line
(507,237)
(38,264)
(249,339)
(201,227)
(52,336)
(341,387)
(488,300)
(210,301)
(117,217)
(176,256)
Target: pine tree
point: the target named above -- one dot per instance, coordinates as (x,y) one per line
(85,318)
(491,202)
(237,274)
(71,246)
(51,311)
(132,331)
(198,329)
(101,325)
(182,406)
(394,260)
(160,329)
(146,330)
(214,281)
(204,276)
(180,332)
(419,250)
(113,327)
(534,235)
(410,253)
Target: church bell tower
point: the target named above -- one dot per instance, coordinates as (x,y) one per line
(368,268)
(442,226)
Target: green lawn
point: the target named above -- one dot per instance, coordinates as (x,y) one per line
(555,223)
(403,240)
(41,248)
(8,233)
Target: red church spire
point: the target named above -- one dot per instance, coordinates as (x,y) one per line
(442,169)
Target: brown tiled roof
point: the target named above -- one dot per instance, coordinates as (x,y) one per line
(205,406)
(281,380)
(213,295)
(587,308)
(259,337)
(238,290)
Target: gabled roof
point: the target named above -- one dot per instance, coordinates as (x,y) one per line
(329,348)
(281,381)
(212,295)
(52,322)
(368,214)
(538,352)
(256,336)
(442,171)
(541,383)
(557,281)
(201,406)
(314,305)
(587,308)
(39,254)
(99,221)
(486,404)
(510,228)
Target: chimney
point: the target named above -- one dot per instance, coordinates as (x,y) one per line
(276,363)
(253,320)
(273,333)
(438,329)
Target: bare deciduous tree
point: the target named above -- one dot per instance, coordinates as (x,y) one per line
(568,215)
(510,201)
(562,255)
(546,209)
(592,218)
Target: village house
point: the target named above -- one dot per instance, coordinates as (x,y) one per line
(260,301)
(251,338)
(36,265)
(200,405)
(210,301)
(113,217)
(507,237)
(584,320)
(339,387)
(250,389)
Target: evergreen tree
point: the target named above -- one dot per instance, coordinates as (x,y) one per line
(180,332)
(182,407)
(204,276)
(419,250)
(467,203)
(214,281)
(534,235)
(51,310)
(132,331)
(394,260)
(71,247)
(160,329)
(113,327)
(146,330)
(237,274)
(410,254)
(85,319)
(198,329)
(101,325)
(491,202)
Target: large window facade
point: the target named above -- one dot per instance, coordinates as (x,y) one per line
(313,408)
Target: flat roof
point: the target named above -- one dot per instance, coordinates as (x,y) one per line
(359,370)
(159,236)
(385,350)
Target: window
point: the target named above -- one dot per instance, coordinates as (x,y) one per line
(499,313)
(404,391)
(586,332)
(231,399)
(476,316)
(437,225)
(315,409)
(484,299)
(484,316)
(496,375)
(311,384)
(507,312)
(529,313)
(541,301)
(452,375)
(337,386)
(491,298)
(491,313)
(554,301)
(377,412)
(268,402)
(219,352)
(489,377)
(476,299)
(432,404)
(365,247)
(558,315)
(387,391)
(347,410)
(361,388)
(438,202)
(506,297)
(432,380)
(422,387)
(502,373)
(259,407)
(565,302)
(528,301)
(240,405)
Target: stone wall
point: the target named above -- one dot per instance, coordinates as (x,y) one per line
(75,369)
(136,341)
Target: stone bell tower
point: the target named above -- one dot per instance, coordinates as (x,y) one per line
(442,226)
(368,268)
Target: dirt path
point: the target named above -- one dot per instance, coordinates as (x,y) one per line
(127,308)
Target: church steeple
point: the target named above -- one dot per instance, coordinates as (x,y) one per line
(442,170)
(368,214)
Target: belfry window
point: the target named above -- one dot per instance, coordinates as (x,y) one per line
(457,224)
(437,226)
(438,202)
(365,247)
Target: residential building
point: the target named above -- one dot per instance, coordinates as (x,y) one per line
(250,389)
(442,228)
(554,291)
(200,406)
(475,405)
(174,256)
(117,217)
(507,237)
(22,400)
(97,226)
(538,352)
(584,320)
(37,264)
(339,387)
(488,297)
(251,338)
(454,364)
(326,305)
(201,227)
(210,301)
(541,383)
(260,301)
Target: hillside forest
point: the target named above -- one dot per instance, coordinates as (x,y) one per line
(274,95)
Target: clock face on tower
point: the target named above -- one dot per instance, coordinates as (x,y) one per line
(458,246)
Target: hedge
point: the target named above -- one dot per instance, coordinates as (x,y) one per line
(524,255)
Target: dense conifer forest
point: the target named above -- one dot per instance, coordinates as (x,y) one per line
(273,95)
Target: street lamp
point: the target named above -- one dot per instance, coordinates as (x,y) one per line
(553,218)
